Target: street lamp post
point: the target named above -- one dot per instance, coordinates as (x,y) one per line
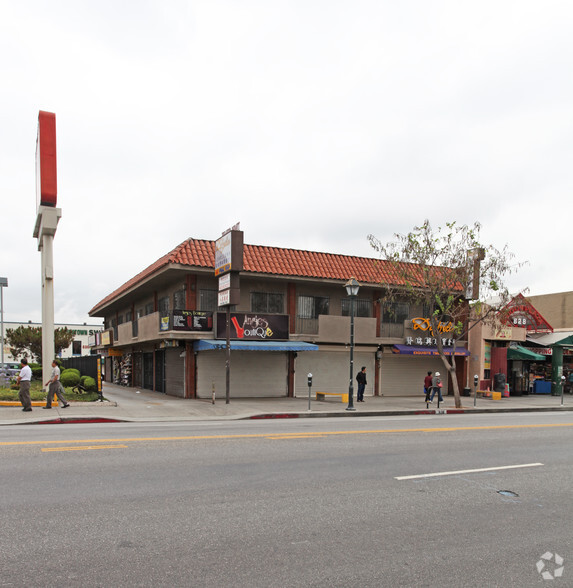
(3,284)
(352,287)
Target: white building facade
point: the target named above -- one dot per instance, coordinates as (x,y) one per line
(84,337)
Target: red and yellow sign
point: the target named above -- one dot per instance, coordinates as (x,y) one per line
(423,324)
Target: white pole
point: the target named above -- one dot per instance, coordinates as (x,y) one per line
(48,350)
(45,229)
(2,320)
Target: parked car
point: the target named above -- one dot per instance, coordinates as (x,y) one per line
(10,368)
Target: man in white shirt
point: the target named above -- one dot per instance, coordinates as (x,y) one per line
(24,381)
(54,387)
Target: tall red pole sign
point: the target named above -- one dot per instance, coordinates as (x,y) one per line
(47,218)
(46,166)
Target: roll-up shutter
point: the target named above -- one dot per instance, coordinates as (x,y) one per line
(175,372)
(403,375)
(331,372)
(253,374)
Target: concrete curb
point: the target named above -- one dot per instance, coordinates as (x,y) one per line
(433,411)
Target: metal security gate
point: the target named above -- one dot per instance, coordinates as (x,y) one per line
(148,371)
(160,370)
(261,374)
(331,371)
(175,372)
(403,375)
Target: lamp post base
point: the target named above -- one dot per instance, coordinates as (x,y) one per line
(351,408)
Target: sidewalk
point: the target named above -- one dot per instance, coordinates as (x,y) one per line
(130,405)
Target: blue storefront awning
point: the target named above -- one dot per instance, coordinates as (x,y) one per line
(427,351)
(210,344)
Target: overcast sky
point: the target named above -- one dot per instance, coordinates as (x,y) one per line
(312,123)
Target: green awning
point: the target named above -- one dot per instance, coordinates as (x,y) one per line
(524,353)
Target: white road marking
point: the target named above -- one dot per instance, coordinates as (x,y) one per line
(509,467)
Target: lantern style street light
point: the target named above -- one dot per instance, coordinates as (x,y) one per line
(352,287)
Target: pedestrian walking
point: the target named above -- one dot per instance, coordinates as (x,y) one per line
(436,387)
(24,382)
(54,387)
(428,386)
(361,379)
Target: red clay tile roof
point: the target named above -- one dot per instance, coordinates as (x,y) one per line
(272,261)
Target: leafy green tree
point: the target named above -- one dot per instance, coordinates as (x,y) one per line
(453,276)
(27,341)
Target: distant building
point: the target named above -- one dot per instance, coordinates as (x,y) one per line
(84,338)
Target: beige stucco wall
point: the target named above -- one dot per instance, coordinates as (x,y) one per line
(556,309)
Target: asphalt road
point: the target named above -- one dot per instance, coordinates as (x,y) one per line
(301,502)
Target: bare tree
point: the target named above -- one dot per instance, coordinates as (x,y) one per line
(453,275)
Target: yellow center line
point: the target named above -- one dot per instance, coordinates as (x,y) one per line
(295,436)
(84,448)
(286,435)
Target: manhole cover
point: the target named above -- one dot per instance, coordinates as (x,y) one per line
(508,493)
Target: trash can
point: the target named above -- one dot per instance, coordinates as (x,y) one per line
(467,392)
(499,382)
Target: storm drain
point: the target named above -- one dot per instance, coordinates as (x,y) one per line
(508,493)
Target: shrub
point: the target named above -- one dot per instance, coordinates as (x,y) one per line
(89,383)
(37,372)
(70,378)
(73,370)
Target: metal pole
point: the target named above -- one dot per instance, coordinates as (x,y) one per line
(2,316)
(351,383)
(228,359)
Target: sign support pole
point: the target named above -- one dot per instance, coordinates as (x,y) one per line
(46,224)
(228,358)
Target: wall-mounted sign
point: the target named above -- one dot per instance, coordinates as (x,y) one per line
(106,338)
(254,327)
(502,332)
(423,324)
(427,341)
(187,320)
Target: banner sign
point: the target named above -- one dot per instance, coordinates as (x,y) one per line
(254,327)
(187,320)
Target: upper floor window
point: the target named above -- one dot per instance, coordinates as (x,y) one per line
(309,307)
(395,312)
(128,317)
(208,300)
(149,308)
(268,302)
(179,300)
(363,307)
(163,304)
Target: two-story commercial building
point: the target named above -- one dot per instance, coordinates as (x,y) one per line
(165,332)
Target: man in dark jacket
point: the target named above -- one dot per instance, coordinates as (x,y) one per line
(428,386)
(361,379)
